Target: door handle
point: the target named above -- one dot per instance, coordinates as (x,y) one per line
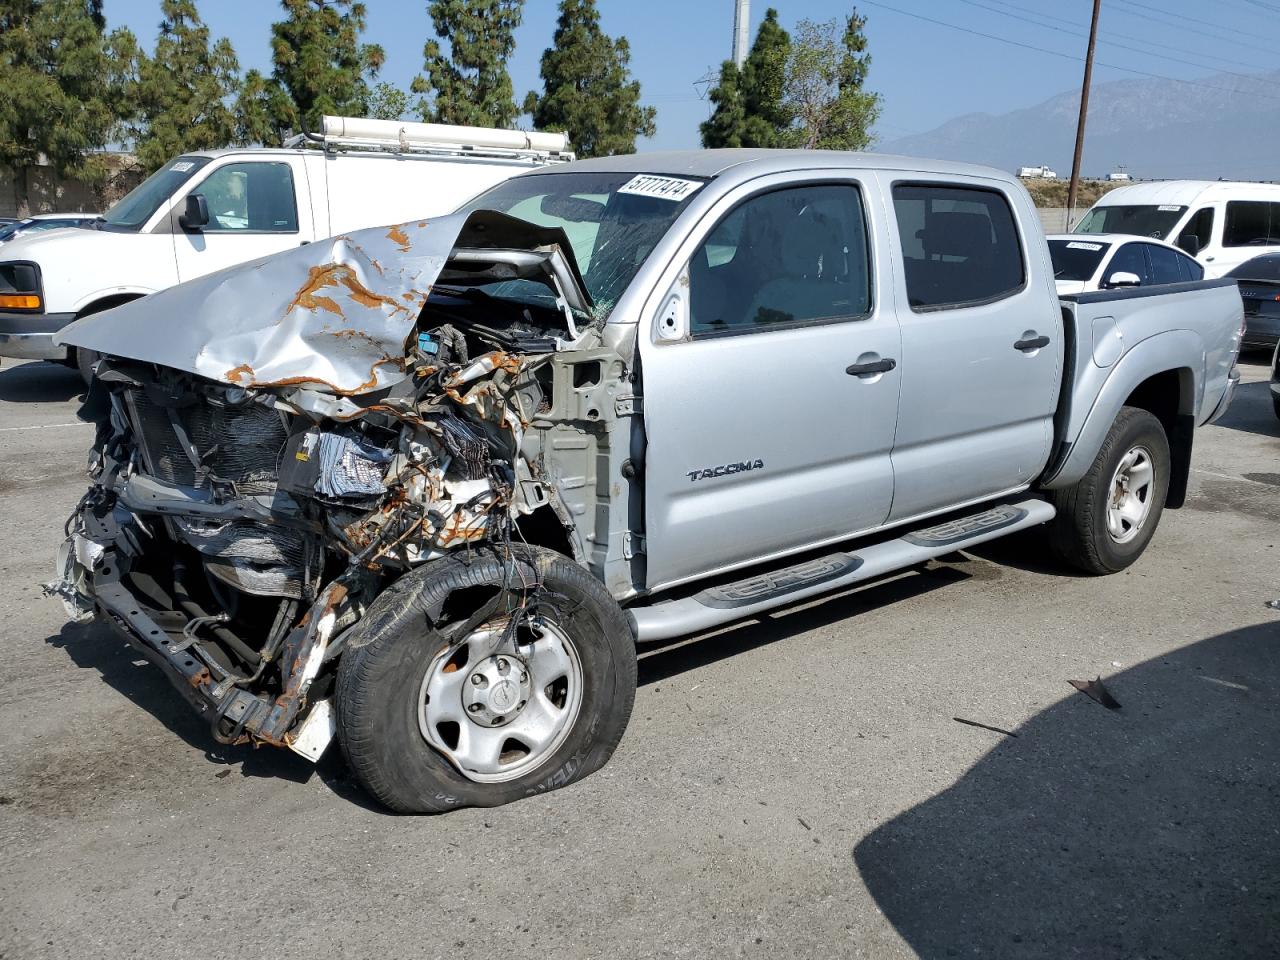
(867,369)
(1031,343)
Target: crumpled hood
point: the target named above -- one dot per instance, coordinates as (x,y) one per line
(333,314)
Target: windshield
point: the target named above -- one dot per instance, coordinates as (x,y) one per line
(1265,269)
(136,207)
(1148,221)
(1076,259)
(7,232)
(613,221)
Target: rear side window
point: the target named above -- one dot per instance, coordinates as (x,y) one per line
(1189,269)
(1129,259)
(1164,265)
(959,245)
(1251,223)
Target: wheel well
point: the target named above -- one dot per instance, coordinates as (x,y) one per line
(543,528)
(106,303)
(1170,397)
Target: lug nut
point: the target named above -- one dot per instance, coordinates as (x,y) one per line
(524,676)
(477,679)
(476,707)
(496,721)
(503,666)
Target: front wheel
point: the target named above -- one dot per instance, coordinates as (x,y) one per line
(477,681)
(1107,518)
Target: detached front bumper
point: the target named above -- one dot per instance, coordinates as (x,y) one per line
(29,336)
(236,715)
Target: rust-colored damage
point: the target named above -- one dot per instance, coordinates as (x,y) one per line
(401,239)
(335,275)
(236,374)
(398,362)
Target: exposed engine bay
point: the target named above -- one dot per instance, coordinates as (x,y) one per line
(235,530)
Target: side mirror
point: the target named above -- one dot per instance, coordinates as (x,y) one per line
(1122,278)
(196,212)
(673,317)
(1189,243)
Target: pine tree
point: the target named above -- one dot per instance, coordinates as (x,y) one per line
(60,89)
(749,111)
(319,62)
(824,87)
(388,102)
(183,92)
(587,89)
(470,85)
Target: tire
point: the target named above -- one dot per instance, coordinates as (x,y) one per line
(1081,534)
(393,663)
(85,359)
(1275,405)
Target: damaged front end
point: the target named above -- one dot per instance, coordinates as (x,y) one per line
(278,443)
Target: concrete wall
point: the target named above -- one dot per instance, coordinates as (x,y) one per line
(49,193)
(1053,219)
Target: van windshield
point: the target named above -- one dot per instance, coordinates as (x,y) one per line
(136,207)
(1142,221)
(613,221)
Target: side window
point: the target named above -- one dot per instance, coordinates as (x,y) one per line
(1129,259)
(1190,269)
(251,196)
(793,256)
(1164,264)
(1200,226)
(959,245)
(1251,223)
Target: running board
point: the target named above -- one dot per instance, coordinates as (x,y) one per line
(760,592)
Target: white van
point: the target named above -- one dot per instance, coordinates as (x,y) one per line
(211,209)
(1220,223)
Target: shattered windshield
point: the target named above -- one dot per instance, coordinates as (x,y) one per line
(1142,221)
(613,221)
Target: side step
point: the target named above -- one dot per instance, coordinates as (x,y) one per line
(760,592)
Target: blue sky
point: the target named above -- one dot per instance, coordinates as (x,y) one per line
(926,72)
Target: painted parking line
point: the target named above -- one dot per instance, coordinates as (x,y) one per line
(1227,476)
(46,426)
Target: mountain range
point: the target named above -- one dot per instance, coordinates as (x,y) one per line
(1223,126)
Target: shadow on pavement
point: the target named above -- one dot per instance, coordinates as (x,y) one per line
(96,647)
(1151,831)
(39,383)
(1251,411)
(659,662)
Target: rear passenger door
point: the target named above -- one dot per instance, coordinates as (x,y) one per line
(981,346)
(1250,228)
(769,426)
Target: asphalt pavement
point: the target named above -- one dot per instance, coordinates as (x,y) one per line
(797,787)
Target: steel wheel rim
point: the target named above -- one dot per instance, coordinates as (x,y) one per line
(1131,494)
(500,727)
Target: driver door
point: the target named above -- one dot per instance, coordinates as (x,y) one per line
(770,421)
(256,207)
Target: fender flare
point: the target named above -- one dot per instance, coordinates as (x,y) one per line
(1180,350)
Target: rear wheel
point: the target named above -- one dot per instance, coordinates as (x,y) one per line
(85,359)
(1275,404)
(476,683)
(1107,518)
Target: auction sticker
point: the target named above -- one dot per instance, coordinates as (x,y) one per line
(1081,245)
(663,188)
(182,166)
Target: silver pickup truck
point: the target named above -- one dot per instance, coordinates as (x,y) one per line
(422,489)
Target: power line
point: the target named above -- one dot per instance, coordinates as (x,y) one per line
(1123,46)
(1065,56)
(1128,36)
(1147,13)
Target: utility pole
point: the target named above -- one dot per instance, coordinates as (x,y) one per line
(741,21)
(1084,111)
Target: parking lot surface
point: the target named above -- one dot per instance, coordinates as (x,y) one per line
(796,786)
